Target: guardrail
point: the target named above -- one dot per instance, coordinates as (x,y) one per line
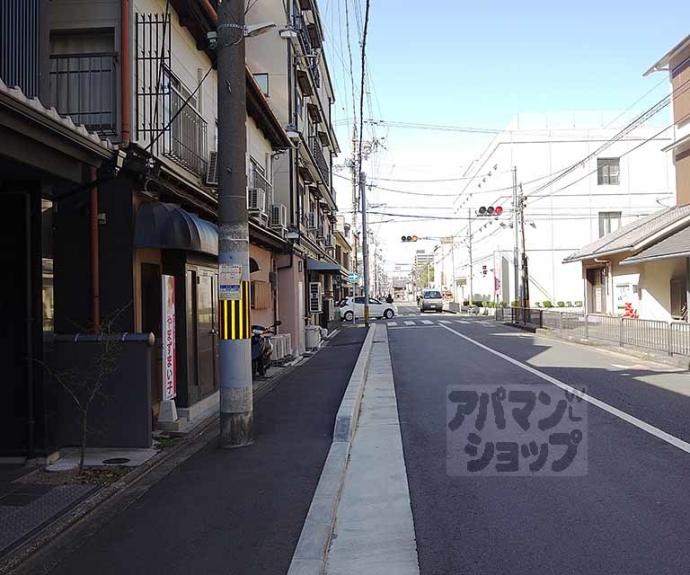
(672,338)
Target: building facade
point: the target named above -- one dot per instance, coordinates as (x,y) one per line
(618,182)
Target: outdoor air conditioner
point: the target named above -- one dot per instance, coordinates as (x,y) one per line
(279,217)
(288,343)
(278,342)
(212,169)
(256,200)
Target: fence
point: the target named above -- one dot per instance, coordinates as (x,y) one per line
(672,338)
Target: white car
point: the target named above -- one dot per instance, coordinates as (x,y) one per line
(377,308)
(431,299)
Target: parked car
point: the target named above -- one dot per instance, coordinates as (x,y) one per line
(377,308)
(431,299)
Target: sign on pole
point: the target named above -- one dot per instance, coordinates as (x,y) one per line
(230,282)
(168,333)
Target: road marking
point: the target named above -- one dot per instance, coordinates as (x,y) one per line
(392,323)
(461,321)
(427,322)
(444,321)
(643,425)
(409,323)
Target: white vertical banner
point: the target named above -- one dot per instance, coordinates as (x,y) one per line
(168,335)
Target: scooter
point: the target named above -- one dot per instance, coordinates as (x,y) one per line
(262,348)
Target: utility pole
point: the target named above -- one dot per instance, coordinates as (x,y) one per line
(469,247)
(452,264)
(516,265)
(525,272)
(236,401)
(365,244)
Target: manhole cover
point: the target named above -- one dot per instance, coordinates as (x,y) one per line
(116,461)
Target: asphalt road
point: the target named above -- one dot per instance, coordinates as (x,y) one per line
(627,511)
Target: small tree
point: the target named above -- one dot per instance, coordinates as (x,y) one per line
(83,384)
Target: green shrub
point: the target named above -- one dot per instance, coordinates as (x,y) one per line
(515,303)
(560,304)
(547,303)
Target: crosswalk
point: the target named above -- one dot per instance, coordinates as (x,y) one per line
(418,322)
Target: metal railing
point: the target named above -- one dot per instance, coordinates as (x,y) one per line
(258,180)
(186,138)
(319,158)
(672,338)
(84,87)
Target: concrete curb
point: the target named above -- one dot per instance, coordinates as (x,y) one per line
(311,552)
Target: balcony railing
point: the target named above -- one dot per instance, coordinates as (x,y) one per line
(258,180)
(185,141)
(307,48)
(319,158)
(84,87)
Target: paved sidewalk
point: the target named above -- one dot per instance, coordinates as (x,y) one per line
(234,511)
(374,532)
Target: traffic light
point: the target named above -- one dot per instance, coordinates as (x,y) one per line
(490,211)
(484,270)
(409,238)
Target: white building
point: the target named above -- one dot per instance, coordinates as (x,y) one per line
(610,185)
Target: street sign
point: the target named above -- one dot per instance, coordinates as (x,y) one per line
(352,277)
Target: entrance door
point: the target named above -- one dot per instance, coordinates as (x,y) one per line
(597,286)
(206,335)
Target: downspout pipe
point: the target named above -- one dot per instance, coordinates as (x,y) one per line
(125,75)
(210,11)
(95,276)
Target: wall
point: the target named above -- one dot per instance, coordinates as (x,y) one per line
(291,294)
(655,300)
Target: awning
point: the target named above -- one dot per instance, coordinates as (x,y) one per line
(322,267)
(167,226)
(674,246)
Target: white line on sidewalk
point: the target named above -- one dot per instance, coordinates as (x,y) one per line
(643,425)
(409,323)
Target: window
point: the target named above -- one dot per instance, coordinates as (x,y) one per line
(262,81)
(609,222)
(359,299)
(608,170)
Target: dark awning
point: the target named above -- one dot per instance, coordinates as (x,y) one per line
(322,267)
(674,246)
(167,226)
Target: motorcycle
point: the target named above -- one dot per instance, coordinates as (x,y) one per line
(262,348)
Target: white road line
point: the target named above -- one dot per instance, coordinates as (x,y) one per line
(644,426)
(461,321)
(427,322)
(444,321)
(409,323)
(392,323)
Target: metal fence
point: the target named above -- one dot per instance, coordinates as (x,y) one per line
(672,338)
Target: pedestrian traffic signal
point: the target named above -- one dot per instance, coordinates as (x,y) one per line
(490,211)
(409,238)
(484,270)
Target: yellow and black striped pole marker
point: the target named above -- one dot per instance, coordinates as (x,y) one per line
(234,316)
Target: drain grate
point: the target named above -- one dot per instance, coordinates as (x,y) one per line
(116,461)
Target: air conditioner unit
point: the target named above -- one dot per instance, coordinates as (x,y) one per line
(279,216)
(278,342)
(311,221)
(256,200)
(288,343)
(212,169)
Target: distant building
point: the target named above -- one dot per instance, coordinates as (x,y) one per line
(610,185)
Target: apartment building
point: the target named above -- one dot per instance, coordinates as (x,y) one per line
(289,63)
(130,88)
(343,255)
(612,184)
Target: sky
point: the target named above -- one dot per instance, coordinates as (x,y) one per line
(477,64)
